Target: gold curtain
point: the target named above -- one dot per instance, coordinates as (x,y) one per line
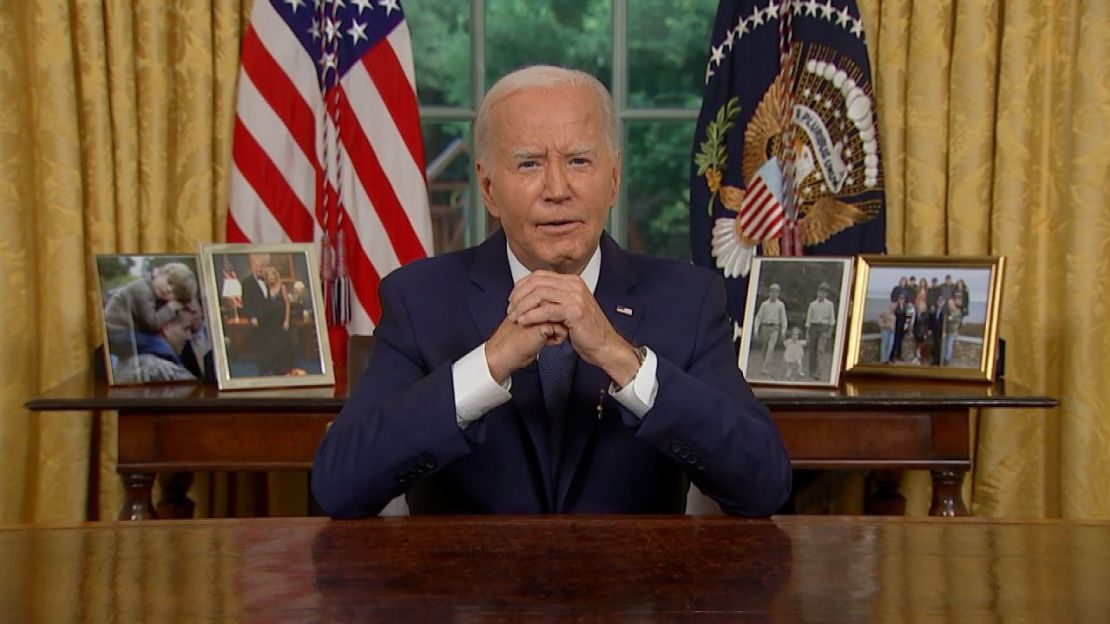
(995,121)
(115,121)
(995,118)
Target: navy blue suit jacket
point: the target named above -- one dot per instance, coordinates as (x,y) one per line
(398,432)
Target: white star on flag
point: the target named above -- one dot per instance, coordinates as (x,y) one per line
(390,6)
(356,31)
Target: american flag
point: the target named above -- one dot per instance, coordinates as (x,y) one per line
(327,147)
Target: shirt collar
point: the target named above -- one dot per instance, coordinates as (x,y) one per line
(590,274)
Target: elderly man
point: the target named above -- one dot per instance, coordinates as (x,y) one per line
(547,370)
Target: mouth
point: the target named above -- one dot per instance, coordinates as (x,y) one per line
(558,226)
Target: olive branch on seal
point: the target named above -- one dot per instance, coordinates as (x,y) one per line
(713,156)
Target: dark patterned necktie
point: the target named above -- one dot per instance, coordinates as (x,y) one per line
(556,366)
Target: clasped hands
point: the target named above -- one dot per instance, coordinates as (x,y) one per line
(547,308)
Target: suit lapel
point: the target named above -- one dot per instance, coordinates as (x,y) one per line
(493,282)
(591,384)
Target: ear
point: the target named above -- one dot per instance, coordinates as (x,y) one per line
(616,178)
(485,186)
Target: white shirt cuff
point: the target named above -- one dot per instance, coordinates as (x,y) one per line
(639,396)
(476,391)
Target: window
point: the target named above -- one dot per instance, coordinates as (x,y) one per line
(650,53)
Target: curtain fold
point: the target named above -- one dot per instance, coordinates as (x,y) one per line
(115,122)
(115,133)
(994,118)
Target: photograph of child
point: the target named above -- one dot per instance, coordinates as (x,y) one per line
(793,352)
(153,320)
(795,320)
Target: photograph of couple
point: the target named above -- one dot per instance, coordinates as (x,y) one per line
(267,315)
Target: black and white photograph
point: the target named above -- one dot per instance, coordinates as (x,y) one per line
(926,316)
(265,310)
(794,321)
(153,325)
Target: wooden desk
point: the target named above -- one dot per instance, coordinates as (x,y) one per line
(557,568)
(866,423)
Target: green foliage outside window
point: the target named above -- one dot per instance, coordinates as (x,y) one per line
(667,42)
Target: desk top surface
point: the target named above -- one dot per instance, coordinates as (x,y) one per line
(82,393)
(509,569)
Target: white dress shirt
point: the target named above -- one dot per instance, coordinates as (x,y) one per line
(477,392)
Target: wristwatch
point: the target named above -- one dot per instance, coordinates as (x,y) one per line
(641,355)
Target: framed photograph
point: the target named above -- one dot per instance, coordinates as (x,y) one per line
(795,320)
(926,317)
(152,321)
(265,310)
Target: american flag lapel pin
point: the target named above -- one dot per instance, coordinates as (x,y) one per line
(625,310)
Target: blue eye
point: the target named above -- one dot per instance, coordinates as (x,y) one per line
(527,164)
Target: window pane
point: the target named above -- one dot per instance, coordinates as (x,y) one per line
(656,177)
(441,50)
(668,43)
(447,149)
(572,33)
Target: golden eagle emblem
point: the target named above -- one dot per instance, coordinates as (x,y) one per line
(820,133)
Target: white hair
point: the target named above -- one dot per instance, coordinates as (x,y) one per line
(542,77)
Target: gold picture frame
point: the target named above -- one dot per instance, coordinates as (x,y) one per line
(265,311)
(947,329)
(795,320)
(152,322)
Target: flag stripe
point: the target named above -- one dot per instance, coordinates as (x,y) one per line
(279,93)
(270,185)
(269,131)
(392,86)
(370,232)
(377,185)
(276,36)
(365,277)
(761,215)
(248,212)
(401,42)
(405,169)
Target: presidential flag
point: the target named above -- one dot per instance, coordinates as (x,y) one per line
(786,151)
(327,147)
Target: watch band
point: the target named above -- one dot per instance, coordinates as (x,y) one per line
(641,355)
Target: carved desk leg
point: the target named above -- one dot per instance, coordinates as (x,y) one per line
(947,496)
(175,501)
(136,490)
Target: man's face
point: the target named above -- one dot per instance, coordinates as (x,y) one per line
(258,262)
(177,333)
(550,175)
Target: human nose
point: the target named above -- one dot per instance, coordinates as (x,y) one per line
(555,183)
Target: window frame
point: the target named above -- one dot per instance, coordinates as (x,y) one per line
(477,221)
